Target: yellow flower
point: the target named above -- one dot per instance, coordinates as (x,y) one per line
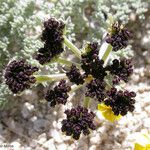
(144,143)
(108,113)
(138,147)
(89,78)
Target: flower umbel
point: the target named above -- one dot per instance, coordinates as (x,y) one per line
(120,101)
(59,94)
(91,73)
(52,36)
(118,37)
(122,69)
(19,75)
(78,120)
(96,89)
(74,75)
(91,63)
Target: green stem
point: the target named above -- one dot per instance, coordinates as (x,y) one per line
(74,49)
(86,102)
(66,62)
(107,52)
(52,77)
(75,87)
(109,86)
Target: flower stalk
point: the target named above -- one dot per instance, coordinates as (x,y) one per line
(52,77)
(75,88)
(73,48)
(86,102)
(107,52)
(66,62)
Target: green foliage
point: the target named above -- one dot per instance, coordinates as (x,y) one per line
(17,38)
(89,17)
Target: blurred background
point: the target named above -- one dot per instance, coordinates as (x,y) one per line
(26,121)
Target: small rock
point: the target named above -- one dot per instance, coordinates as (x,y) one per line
(33,144)
(30,95)
(42,138)
(59,125)
(62,146)
(50,144)
(83,145)
(32,133)
(16,145)
(102,129)
(66,138)
(93,147)
(17,127)
(72,147)
(27,110)
(95,139)
(41,124)
(39,148)
(147,122)
(54,123)
(144,131)
(33,119)
(146,106)
(26,148)
(56,135)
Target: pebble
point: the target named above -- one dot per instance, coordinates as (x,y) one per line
(42,138)
(16,145)
(147,122)
(50,144)
(27,148)
(33,144)
(59,125)
(27,110)
(32,133)
(41,124)
(93,147)
(72,147)
(83,145)
(102,129)
(56,135)
(30,95)
(33,119)
(95,139)
(62,147)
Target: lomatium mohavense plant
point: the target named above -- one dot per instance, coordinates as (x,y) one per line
(92,72)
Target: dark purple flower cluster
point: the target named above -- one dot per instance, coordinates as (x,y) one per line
(74,75)
(96,89)
(121,69)
(19,75)
(59,94)
(118,37)
(78,120)
(120,101)
(52,37)
(91,63)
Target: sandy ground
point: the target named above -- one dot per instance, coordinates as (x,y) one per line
(31,124)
